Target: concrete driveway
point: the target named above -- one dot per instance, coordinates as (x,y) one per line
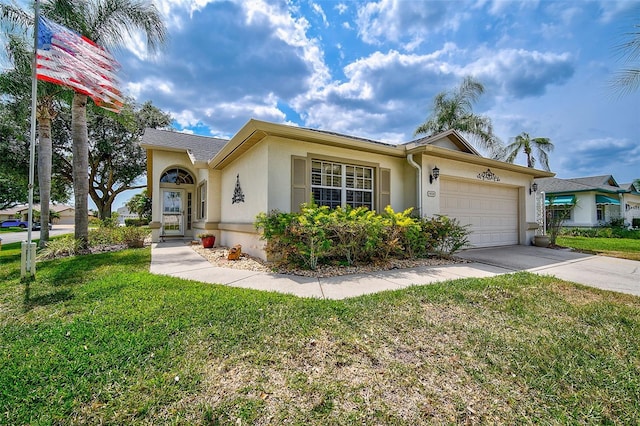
(603,272)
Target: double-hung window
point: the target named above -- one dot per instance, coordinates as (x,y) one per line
(335,184)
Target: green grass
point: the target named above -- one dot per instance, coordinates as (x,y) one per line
(97,339)
(12,229)
(625,248)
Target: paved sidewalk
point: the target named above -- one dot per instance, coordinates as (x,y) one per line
(176,258)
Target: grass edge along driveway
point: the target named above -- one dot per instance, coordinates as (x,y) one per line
(98,339)
(624,248)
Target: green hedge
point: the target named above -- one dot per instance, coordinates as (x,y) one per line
(136,222)
(605,232)
(349,235)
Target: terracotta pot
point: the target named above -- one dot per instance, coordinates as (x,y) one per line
(541,241)
(208,242)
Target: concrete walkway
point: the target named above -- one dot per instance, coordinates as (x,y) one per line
(176,258)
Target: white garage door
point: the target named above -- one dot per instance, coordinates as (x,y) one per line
(490,209)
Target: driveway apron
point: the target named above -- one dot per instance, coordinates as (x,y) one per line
(607,273)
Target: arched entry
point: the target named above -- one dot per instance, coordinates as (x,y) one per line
(176,186)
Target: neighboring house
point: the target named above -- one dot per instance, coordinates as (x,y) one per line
(124,214)
(67,213)
(597,199)
(631,202)
(200,183)
(12,213)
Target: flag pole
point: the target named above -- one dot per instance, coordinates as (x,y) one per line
(28,252)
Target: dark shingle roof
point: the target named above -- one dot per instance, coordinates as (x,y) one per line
(348,136)
(589,183)
(201,148)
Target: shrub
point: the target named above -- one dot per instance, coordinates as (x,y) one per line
(348,235)
(66,245)
(604,233)
(133,236)
(448,235)
(355,233)
(109,222)
(104,236)
(635,222)
(616,223)
(403,234)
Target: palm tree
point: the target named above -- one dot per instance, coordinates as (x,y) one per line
(16,82)
(524,143)
(109,23)
(453,110)
(628,80)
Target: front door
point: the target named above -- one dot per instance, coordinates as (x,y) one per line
(172,212)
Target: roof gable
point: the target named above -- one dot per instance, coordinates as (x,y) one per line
(449,139)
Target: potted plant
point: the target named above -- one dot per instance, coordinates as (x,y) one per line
(208,239)
(541,240)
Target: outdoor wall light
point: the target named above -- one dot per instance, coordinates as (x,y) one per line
(435,172)
(533,188)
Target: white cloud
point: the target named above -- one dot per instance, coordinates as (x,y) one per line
(520,73)
(612,9)
(318,10)
(341,8)
(406,23)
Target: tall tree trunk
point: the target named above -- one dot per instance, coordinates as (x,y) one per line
(105,209)
(80,167)
(44,170)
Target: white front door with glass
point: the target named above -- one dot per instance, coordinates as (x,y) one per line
(172,212)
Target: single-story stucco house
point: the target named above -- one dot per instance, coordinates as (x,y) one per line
(597,200)
(201,183)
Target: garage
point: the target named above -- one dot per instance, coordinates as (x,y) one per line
(490,209)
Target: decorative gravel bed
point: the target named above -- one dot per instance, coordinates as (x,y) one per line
(218,257)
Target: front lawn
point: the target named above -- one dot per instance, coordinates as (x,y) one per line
(98,339)
(12,229)
(625,248)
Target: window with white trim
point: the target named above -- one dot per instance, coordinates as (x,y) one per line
(202,201)
(336,184)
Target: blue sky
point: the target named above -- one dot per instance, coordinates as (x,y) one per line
(372,69)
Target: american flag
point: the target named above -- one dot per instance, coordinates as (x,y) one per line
(69,59)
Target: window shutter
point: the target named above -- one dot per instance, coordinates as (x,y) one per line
(299,185)
(385,189)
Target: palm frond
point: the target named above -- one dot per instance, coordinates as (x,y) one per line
(15,17)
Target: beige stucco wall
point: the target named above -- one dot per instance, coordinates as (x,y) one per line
(265,178)
(280,151)
(463,170)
